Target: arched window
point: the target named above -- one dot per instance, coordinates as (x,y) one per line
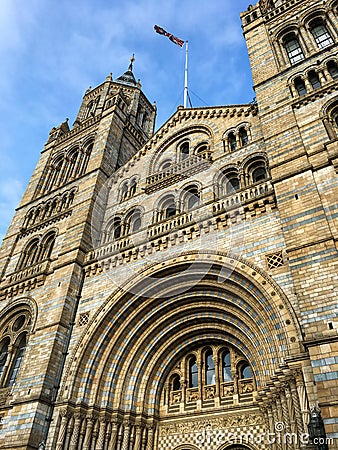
(133,221)
(176,383)
(243,136)
(226,366)
(209,368)
(300,86)
(165,165)
(132,189)
(245,371)
(117,228)
(3,356)
(193,373)
(232,185)
(184,150)
(170,210)
(20,351)
(320,33)
(314,79)
(191,198)
(201,149)
(30,254)
(232,141)
(258,174)
(47,246)
(166,208)
(124,191)
(333,69)
(293,48)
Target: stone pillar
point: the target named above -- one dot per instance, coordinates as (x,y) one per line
(114,433)
(62,430)
(126,434)
(138,437)
(303,401)
(88,435)
(150,437)
(102,434)
(76,430)
(295,401)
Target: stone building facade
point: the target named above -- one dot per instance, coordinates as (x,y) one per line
(178,290)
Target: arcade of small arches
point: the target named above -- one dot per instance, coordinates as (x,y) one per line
(66,166)
(15,327)
(50,208)
(37,250)
(179,341)
(251,172)
(314,78)
(212,375)
(312,33)
(236,138)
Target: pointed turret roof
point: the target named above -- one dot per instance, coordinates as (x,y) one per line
(128,76)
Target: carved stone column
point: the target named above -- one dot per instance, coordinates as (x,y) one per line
(62,430)
(138,437)
(126,434)
(88,435)
(69,432)
(102,434)
(76,430)
(285,414)
(114,434)
(150,437)
(303,401)
(296,405)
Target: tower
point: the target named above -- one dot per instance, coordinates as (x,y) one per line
(296,44)
(42,254)
(178,290)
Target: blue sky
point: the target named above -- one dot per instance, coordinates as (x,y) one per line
(51,51)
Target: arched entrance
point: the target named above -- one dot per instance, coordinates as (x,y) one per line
(202,306)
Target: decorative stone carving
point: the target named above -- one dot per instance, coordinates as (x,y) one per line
(266,5)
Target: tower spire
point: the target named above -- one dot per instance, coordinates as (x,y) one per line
(128,76)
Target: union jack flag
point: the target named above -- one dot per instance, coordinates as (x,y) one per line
(173,38)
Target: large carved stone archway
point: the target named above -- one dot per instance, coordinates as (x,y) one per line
(114,379)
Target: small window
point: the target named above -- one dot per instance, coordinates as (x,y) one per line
(3,356)
(209,368)
(243,136)
(17,361)
(193,373)
(321,34)
(192,198)
(333,69)
(259,174)
(184,150)
(132,189)
(124,191)
(165,165)
(314,79)
(170,210)
(300,86)
(232,185)
(176,383)
(293,48)
(226,366)
(201,149)
(232,141)
(137,224)
(117,229)
(246,371)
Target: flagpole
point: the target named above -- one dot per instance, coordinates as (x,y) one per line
(186,75)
